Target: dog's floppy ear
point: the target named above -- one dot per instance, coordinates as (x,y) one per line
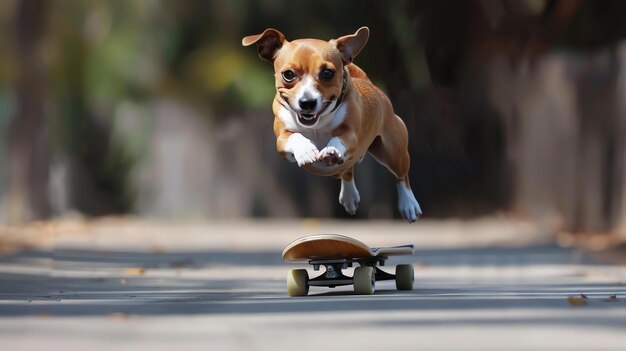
(350,45)
(268,43)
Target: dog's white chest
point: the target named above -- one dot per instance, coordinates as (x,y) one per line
(319,138)
(319,135)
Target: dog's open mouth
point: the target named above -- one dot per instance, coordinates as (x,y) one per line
(308,119)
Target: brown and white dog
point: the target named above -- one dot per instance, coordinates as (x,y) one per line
(328,114)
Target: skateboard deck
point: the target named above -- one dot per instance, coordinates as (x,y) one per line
(329,246)
(338,252)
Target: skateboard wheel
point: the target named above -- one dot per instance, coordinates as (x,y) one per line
(404,277)
(364,280)
(298,282)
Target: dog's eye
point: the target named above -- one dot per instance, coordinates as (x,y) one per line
(289,76)
(327,74)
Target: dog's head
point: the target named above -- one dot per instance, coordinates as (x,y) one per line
(310,75)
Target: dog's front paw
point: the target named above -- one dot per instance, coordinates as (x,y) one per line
(304,152)
(330,156)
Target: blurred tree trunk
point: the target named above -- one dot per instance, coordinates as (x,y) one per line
(563,112)
(619,182)
(29,159)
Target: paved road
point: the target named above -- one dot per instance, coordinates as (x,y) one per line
(137,284)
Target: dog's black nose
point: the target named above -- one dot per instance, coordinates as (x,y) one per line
(307,104)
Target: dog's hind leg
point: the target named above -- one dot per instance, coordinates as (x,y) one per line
(349,195)
(391,150)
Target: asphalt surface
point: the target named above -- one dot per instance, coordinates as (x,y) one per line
(139,284)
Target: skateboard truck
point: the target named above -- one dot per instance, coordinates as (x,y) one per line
(333,276)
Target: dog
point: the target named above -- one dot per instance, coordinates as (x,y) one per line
(328,114)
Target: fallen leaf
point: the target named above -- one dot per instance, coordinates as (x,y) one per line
(135,271)
(119,316)
(577,301)
(44,314)
(158,250)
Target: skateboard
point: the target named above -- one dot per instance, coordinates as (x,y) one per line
(338,252)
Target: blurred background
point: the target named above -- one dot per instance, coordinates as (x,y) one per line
(153,108)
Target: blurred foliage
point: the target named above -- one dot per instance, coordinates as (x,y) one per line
(103,57)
